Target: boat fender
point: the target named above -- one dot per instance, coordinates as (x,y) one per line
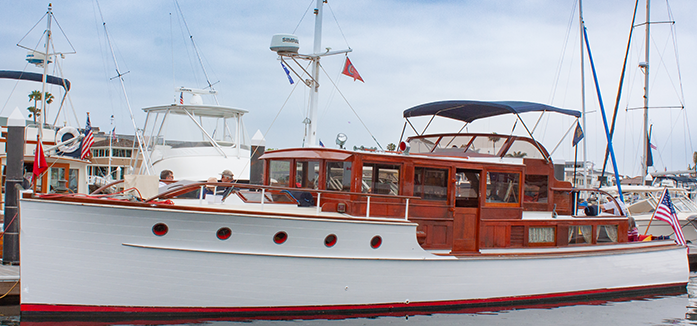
(67,133)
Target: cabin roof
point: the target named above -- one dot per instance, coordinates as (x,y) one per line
(342,155)
(468,111)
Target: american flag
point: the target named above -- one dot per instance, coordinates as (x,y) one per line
(181,98)
(88,140)
(666,212)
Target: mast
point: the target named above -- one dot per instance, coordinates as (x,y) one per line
(583,93)
(645,66)
(49,13)
(312,140)
(286,46)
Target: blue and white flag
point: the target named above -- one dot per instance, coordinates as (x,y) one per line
(578,134)
(287,73)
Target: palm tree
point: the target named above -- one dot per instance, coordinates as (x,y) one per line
(36,96)
(494,139)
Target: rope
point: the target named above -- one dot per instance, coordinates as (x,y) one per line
(10,290)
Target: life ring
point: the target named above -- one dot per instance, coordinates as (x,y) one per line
(70,147)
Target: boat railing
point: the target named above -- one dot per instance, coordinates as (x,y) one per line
(276,190)
(576,192)
(265,191)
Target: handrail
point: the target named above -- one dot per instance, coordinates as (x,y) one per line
(591,189)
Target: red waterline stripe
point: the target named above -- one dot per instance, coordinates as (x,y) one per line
(117,309)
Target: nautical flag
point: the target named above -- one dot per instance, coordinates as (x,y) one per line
(40,164)
(666,212)
(649,155)
(578,134)
(88,140)
(287,73)
(320,144)
(181,98)
(350,70)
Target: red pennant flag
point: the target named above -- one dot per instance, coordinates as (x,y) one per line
(350,70)
(40,164)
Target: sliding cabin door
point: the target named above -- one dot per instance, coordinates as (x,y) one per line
(466,211)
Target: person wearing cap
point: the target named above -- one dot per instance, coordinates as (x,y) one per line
(225,176)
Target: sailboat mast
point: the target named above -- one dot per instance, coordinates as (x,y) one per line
(583,94)
(645,65)
(312,139)
(43,79)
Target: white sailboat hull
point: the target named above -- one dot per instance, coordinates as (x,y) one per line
(106,259)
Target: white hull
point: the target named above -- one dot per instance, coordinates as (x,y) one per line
(659,227)
(104,258)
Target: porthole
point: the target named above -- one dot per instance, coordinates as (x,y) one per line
(224,233)
(280,237)
(330,240)
(160,229)
(375,242)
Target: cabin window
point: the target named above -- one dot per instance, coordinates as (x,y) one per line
(467,188)
(72,180)
(535,189)
(339,176)
(58,182)
(541,235)
(607,233)
(279,173)
(431,184)
(502,187)
(121,152)
(580,234)
(307,174)
(523,149)
(380,179)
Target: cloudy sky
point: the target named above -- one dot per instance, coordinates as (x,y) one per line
(408,52)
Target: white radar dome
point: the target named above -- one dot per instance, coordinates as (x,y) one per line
(285,43)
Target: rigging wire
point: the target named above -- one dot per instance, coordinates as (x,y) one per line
(198,55)
(303,17)
(351,107)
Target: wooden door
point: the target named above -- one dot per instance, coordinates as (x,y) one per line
(466,211)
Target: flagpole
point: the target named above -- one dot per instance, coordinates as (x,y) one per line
(654,211)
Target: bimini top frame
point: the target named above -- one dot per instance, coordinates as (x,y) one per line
(468,111)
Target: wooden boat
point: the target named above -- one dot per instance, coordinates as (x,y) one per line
(449,225)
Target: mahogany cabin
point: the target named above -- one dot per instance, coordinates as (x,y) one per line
(462,200)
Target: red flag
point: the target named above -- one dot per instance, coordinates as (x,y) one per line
(40,164)
(350,70)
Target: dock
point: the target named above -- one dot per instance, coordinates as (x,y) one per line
(9,284)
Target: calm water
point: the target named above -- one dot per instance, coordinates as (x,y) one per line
(670,310)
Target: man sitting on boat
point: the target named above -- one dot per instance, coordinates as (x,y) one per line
(165,175)
(225,177)
(615,207)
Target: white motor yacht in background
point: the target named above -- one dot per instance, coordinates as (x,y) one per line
(196,141)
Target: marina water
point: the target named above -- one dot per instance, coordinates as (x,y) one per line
(663,310)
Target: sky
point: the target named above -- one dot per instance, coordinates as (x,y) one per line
(408,52)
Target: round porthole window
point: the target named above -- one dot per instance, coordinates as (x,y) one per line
(160,229)
(280,237)
(330,240)
(375,242)
(224,233)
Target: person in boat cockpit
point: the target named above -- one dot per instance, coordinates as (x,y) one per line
(227,177)
(166,175)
